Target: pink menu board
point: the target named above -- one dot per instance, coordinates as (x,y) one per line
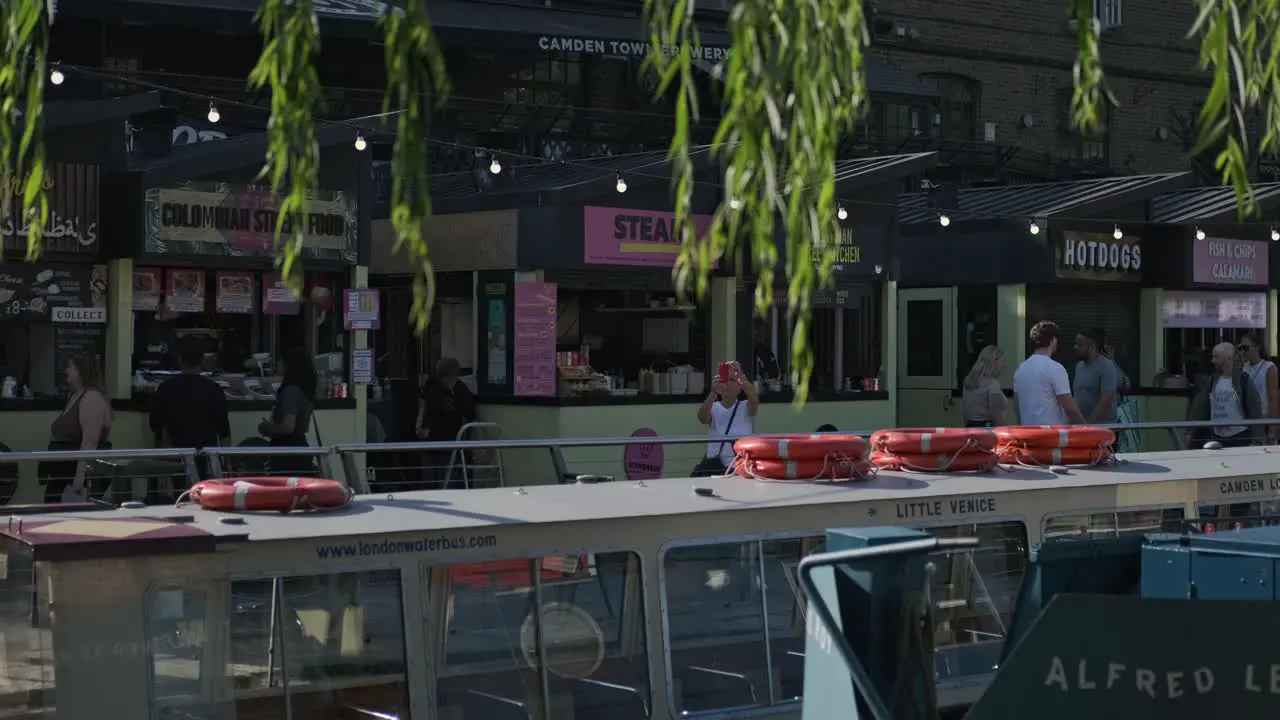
(534,349)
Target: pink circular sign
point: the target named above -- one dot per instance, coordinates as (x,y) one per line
(643,462)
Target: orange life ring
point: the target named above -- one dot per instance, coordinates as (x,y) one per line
(281,494)
(1055,456)
(955,462)
(1055,436)
(800,447)
(801,470)
(927,441)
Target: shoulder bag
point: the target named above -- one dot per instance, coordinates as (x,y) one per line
(713,465)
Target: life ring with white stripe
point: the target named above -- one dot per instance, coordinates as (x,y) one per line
(801,447)
(941,462)
(830,469)
(1055,456)
(279,494)
(928,441)
(1055,436)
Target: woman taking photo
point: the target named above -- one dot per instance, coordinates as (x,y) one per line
(291,416)
(983,399)
(84,424)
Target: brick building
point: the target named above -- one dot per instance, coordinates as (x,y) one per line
(1004,73)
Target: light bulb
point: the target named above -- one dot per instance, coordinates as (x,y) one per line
(1034,229)
(56,77)
(1117,233)
(495,167)
(842,213)
(735,204)
(943,220)
(621,186)
(1199,234)
(360,142)
(1275,235)
(214,115)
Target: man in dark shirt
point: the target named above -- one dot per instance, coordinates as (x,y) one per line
(190,410)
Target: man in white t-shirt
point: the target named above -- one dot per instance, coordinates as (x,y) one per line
(1040,385)
(728,412)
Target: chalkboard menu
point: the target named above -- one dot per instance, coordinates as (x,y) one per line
(56,293)
(70,341)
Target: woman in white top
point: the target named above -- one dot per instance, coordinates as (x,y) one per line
(729,411)
(1264,379)
(983,399)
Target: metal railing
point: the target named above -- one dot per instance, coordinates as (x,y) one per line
(111,468)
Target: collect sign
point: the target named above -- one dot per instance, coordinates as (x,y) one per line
(643,462)
(72,294)
(640,238)
(1098,256)
(220,219)
(1225,261)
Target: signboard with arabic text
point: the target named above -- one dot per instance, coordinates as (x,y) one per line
(72,226)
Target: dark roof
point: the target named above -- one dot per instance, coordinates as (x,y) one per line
(1210,204)
(552,183)
(1077,198)
(863,172)
(206,159)
(75,113)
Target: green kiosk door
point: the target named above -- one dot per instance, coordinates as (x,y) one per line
(927,358)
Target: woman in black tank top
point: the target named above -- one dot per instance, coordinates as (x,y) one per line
(84,424)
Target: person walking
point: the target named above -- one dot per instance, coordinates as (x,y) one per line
(729,411)
(1265,380)
(1226,396)
(1040,385)
(1096,380)
(445,405)
(982,399)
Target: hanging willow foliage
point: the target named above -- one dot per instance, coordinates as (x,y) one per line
(793,87)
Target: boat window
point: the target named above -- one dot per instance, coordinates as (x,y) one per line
(974,593)
(734,614)
(1111,524)
(329,646)
(1235,516)
(26,667)
(586,613)
(176,640)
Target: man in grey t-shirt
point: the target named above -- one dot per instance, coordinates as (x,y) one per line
(1095,381)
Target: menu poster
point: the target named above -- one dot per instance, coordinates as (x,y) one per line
(235,293)
(362,366)
(147,289)
(57,293)
(73,341)
(186,291)
(363,310)
(277,298)
(535,342)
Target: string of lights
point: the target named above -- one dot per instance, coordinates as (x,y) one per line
(359,127)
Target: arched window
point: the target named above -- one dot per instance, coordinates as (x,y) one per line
(959,97)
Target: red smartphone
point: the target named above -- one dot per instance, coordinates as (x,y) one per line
(726,369)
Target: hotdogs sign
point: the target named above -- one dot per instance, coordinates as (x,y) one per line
(1098,256)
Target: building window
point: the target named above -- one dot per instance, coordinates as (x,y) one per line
(958,105)
(1092,147)
(897,120)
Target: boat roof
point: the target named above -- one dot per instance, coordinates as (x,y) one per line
(188,528)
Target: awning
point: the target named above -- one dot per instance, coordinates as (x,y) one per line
(186,162)
(1076,199)
(1211,205)
(852,175)
(78,113)
(550,183)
